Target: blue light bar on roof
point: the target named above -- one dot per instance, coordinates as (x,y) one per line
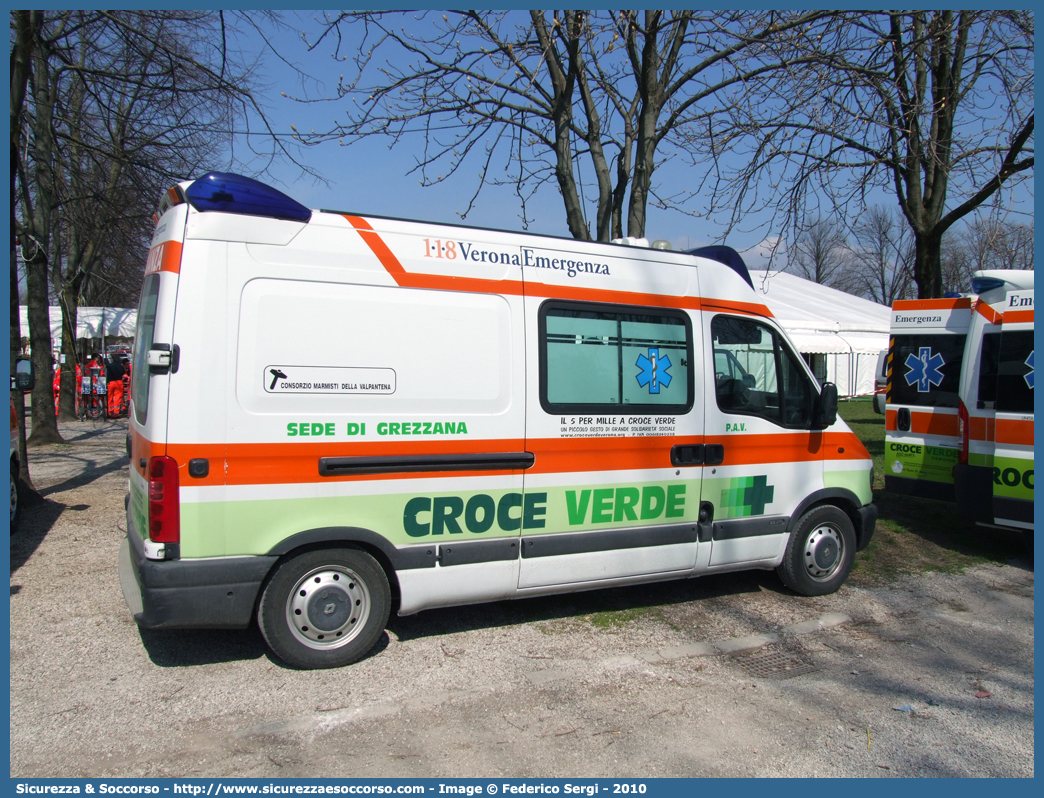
(981,285)
(221,191)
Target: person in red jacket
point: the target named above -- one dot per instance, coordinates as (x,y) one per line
(114,380)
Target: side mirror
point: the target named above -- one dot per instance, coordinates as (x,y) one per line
(25,376)
(826,407)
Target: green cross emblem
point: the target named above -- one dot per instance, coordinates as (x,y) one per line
(747,496)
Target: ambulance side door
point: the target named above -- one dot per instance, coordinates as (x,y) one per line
(762,455)
(615,423)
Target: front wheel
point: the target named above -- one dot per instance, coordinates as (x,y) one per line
(820,552)
(325,609)
(96,409)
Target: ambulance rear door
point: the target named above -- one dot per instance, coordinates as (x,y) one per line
(151,360)
(998,391)
(922,436)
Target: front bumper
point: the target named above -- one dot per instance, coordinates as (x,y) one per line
(211,593)
(867,525)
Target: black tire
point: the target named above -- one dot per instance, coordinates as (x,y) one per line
(96,408)
(820,552)
(16,498)
(324,609)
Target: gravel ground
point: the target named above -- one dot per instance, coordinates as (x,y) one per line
(607,683)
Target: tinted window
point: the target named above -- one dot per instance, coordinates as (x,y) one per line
(756,374)
(605,358)
(1006,373)
(142,344)
(926,370)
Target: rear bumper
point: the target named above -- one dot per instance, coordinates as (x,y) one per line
(212,593)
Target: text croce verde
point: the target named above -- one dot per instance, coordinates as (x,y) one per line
(438,515)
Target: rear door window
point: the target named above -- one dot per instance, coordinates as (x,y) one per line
(1006,373)
(143,339)
(926,370)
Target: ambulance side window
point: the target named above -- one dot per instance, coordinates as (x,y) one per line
(926,370)
(614,359)
(142,344)
(755,374)
(1006,373)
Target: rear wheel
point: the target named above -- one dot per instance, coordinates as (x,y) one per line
(820,552)
(96,408)
(16,496)
(325,609)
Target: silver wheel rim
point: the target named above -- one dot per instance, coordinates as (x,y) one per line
(824,552)
(328,607)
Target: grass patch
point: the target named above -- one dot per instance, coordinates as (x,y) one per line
(613,619)
(918,535)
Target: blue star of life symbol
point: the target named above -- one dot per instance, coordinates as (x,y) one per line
(924,369)
(653,370)
(1028,376)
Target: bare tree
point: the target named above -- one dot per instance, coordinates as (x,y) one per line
(543,97)
(883,258)
(120,105)
(995,244)
(935,107)
(985,244)
(821,254)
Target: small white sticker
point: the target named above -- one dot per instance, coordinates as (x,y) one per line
(316,379)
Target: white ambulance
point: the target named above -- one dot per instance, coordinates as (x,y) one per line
(335,414)
(959,408)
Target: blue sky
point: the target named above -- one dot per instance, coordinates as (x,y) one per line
(369,176)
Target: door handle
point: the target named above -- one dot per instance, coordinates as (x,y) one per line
(714,454)
(698,454)
(903,421)
(687,455)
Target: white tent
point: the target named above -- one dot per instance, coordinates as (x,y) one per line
(90,323)
(841,334)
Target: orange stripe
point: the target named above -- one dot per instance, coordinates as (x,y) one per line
(1018,316)
(432,281)
(515,288)
(296,463)
(1017,431)
(164,257)
(925,422)
(797,447)
(143,449)
(932,304)
(988,313)
(980,428)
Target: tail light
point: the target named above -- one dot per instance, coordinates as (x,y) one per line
(963,425)
(164,503)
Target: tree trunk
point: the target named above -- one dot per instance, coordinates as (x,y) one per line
(67,390)
(37,244)
(928,265)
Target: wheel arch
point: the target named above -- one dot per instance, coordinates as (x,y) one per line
(377,546)
(841,498)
